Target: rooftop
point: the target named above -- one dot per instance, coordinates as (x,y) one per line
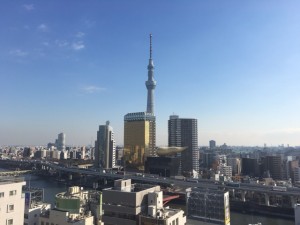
(9,180)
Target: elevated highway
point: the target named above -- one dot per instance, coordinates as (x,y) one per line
(262,195)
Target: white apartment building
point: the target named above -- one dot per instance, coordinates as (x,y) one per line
(11,201)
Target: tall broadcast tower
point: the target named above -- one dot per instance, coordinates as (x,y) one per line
(150,83)
(140,127)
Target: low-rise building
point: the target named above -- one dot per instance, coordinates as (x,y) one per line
(34,205)
(11,200)
(76,207)
(137,204)
(157,214)
(209,205)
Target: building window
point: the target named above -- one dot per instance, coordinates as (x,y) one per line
(25,223)
(26,216)
(9,222)
(1,194)
(13,192)
(10,208)
(42,222)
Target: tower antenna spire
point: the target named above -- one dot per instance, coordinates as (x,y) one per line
(150,46)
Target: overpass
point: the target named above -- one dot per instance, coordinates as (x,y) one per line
(259,194)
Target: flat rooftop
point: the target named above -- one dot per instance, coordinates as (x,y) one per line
(9,180)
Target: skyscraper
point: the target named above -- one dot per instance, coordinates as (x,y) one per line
(105,150)
(184,133)
(212,144)
(140,127)
(61,142)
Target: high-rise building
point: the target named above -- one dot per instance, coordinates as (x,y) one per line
(140,127)
(250,167)
(235,164)
(12,201)
(138,138)
(105,148)
(61,142)
(212,144)
(274,165)
(297,214)
(184,133)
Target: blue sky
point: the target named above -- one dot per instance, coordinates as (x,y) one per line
(68,66)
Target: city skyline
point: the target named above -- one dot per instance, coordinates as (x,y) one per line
(68,68)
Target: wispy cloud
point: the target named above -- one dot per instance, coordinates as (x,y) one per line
(45,43)
(80,34)
(18,52)
(29,7)
(61,43)
(289,130)
(43,27)
(89,23)
(79,45)
(92,89)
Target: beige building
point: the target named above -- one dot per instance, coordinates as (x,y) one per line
(61,217)
(225,170)
(12,201)
(139,139)
(123,203)
(157,214)
(137,204)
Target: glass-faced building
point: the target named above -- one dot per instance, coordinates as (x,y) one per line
(139,139)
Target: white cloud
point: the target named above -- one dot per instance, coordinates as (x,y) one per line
(78,45)
(92,89)
(61,43)
(29,7)
(43,27)
(18,52)
(80,34)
